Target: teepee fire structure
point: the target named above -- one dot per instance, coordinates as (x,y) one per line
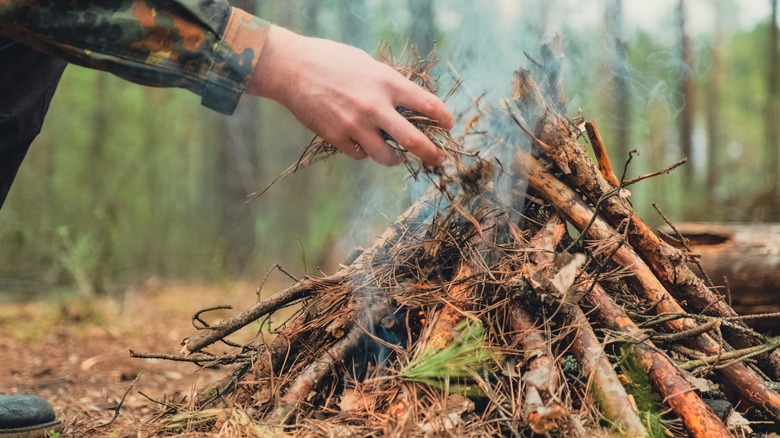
(522,295)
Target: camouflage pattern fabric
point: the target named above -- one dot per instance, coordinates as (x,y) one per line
(204,46)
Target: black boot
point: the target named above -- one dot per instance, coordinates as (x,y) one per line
(26,416)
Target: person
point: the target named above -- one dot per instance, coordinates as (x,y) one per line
(218,52)
(214,50)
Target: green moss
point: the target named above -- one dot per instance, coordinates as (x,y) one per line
(648,403)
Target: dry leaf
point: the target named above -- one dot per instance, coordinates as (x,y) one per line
(451,416)
(541,418)
(565,277)
(355,401)
(88,364)
(540,378)
(736,422)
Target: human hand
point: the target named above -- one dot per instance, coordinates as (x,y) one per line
(346,97)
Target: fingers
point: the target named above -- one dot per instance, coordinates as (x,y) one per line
(418,99)
(411,138)
(351,148)
(367,142)
(379,151)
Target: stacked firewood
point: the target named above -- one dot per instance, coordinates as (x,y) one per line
(522,295)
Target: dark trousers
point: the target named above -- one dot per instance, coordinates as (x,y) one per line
(28,79)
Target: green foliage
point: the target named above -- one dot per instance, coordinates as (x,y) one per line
(80,258)
(460,361)
(570,364)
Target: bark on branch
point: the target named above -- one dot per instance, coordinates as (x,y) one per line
(749,384)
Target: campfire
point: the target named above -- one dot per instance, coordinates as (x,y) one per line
(521,295)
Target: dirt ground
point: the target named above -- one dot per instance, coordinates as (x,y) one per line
(75,353)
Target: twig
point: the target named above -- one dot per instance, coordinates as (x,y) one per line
(212,334)
(661,318)
(684,242)
(732,357)
(696,331)
(279,268)
(204,324)
(169,408)
(223,386)
(664,171)
(119,405)
(631,154)
(520,121)
(198,359)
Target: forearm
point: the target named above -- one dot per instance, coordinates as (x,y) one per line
(201,45)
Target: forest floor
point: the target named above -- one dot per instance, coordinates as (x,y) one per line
(75,353)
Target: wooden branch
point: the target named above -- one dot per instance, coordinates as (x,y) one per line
(666,262)
(311,376)
(699,419)
(309,285)
(542,390)
(304,288)
(611,396)
(749,384)
(600,151)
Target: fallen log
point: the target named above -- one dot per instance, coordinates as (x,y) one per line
(743,261)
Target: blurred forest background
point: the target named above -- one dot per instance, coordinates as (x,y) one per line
(126,182)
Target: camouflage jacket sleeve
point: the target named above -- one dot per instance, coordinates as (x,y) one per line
(202,45)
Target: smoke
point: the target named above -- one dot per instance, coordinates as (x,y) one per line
(486,41)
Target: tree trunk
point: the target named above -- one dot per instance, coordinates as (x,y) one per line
(772,114)
(102,216)
(713,105)
(687,94)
